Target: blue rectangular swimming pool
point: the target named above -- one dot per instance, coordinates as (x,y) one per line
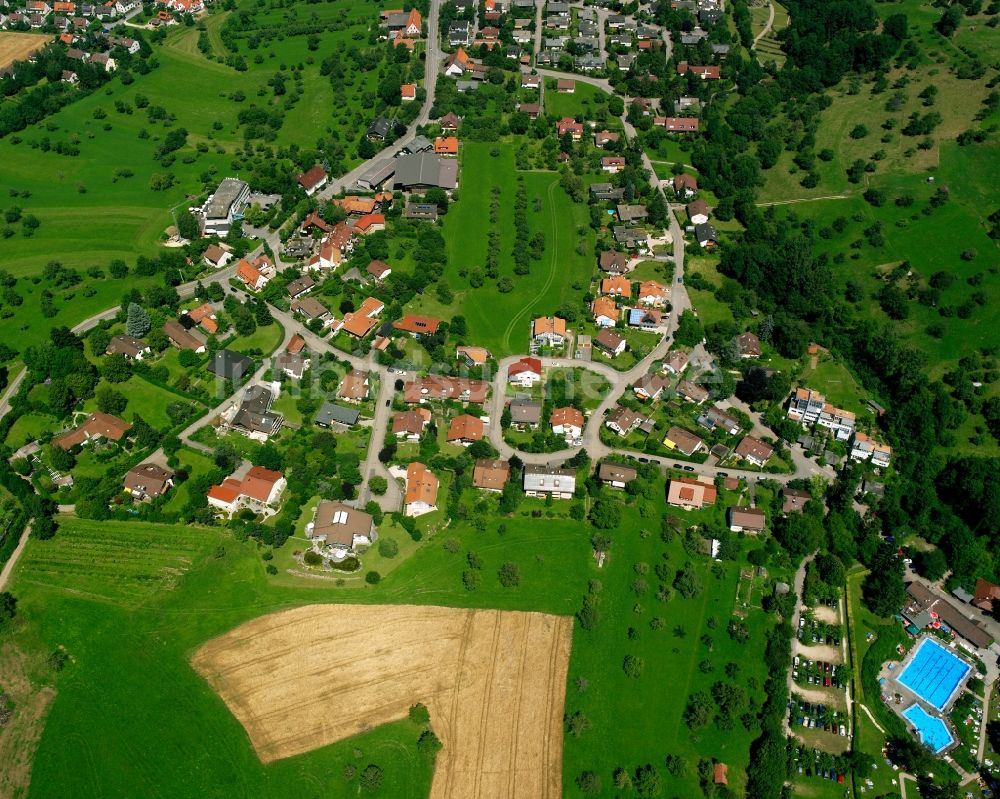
(934,673)
(933,732)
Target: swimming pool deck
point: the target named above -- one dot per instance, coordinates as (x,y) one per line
(901,698)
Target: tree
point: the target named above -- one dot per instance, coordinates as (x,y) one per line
(110,401)
(509,575)
(883,590)
(931,564)
(647,781)
(373,578)
(8,608)
(137,322)
(371,777)
(689,330)
(388,548)
(632,666)
(698,711)
(115,368)
(187,225)
(378,485)
(589,782)
(429,744)
(606,514)
(419,714)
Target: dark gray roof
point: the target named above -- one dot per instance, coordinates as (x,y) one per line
(706,232)
(230,365)
(331,413)
(379,127)
(426,169)
(224,197)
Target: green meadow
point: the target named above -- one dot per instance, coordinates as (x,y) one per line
(497,321)
(130,602)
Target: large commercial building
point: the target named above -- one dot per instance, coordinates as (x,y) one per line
(224,207)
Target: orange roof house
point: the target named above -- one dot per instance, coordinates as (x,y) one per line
(465,429)
(408,92)
(417,325)
(97,425)
(618,285)
(604,311)
(296,344)
(690,494)
(370,223)
(421,490)
(259,484)
(446,145)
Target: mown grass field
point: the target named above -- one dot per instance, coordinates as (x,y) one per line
(130,602)
(584,100)
(501,322)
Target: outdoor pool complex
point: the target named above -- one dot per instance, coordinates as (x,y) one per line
(933,731)
(934,673)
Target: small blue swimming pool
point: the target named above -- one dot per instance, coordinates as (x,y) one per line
(934,673)
(933,731)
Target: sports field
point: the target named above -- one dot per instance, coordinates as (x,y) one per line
(18,46)
(493,682)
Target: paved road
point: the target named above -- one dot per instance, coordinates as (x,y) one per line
(432,62)
(539,25)
(11,391)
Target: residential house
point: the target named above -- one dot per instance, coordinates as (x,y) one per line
(490,474)
(549,331)
(749,345)
(229,365)
(369,223)
(408,92)
(677,124)
(354,387)
(685,442)
(542,481)
(440,387)
(754,451)
(260,489)
(570,126)
(629,237)
(252,276)
(691,392)
(423,211)
(421,490)
(446,146)
(417,326)
(654,294)
(526,372)
(617,286)
(864,447)
(460,33)
(720,774)
(645,318)
(457,63)
(254,417)
(675,363)
(95,427)
(182,338)
(531,110)
(604,311)
(217,256)
(605,191)
(717,418)
(410,425)
(362,321)
(300,286)
(611,343)
(379,270)
(293,365)
(685,186)
(309,308)
(148,481)
(745,520)
(378,129)
(706,235)
(312,180)
(623,421)
(525,413)
(531,81)
(613,164)
(330,414)
(690,494)
(340,529)
(793,499)
(565,86)
(629,214)
(616,475)
(698,212)
(465,429)
(132,348)
(703,72)
(449,122)
(987,596)
(567,422)
(604,138)
(649,387)
(810,407)
(472,356)
(613,262)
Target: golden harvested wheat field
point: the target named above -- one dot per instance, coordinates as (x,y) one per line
(17,46)
(494,682)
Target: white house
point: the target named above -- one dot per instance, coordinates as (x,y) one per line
(526,372)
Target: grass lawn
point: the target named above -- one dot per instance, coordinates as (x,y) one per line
(129,602)
(711,310)
(145,399)
(29,427)
(196,464)
(834,380)
(497,321)
(584,101)
(265,339)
